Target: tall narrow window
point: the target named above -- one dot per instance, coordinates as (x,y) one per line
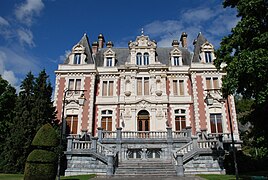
(71,84)
(146,58)
(77,58)
(175,87)
(180,119)
(106,120)
(139,86)
(109,62)
(107,88)
(146,86)
(208,57)
(176,61)
(181,84)
(215,83)
(216,123)
(139,59)
(208,83)
(72,124)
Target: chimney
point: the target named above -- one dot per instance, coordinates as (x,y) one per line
(101,41)
(175,43)
(184,40)
(109,44)
(95,47)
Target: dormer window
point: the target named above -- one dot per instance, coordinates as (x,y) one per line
(139,59)
(77,59)
(176,61)
(146,58)
(208,57)
(109,62)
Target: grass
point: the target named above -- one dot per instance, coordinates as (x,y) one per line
(216,176)
(20,177)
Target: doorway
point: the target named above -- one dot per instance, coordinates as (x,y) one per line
(143,121)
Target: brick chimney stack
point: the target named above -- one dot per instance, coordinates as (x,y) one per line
(101,41)
(184,39)
(95,47)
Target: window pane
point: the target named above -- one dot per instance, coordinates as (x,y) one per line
(75,124)
(139,86)
(181,87)
(215,83)
(177,123)
(219,123)
(77,85)
(175,87)
(71,84)
(111,88)
(177,111)
(104,88)
(146,86)
(77,59)
(138,59)
(208,83)
(183,122)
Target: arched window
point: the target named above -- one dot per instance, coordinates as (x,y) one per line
(139,59)
(180,119)
(145,59)
(106,120)
(208,57)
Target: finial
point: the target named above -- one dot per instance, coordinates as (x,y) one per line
(142,31)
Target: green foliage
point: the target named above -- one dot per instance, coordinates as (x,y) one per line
(34,108)
(42,156)
(41,163)
(46,136)
(245,51)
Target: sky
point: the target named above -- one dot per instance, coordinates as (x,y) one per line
(38,34)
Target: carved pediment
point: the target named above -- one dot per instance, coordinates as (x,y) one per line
(142,41)
(175,51)
(109,52)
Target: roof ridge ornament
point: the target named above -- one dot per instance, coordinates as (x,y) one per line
(142,32)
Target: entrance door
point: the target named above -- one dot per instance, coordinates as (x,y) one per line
(143,122)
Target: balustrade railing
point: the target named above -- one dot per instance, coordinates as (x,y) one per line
(203,144)
(144,134)
(105,150)
(109,134)
(79,145)
(186,148)
(179,134)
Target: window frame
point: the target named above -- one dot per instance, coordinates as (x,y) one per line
(143,86)
(180,119)
(109,91)
(213,119)
(178,87)
(77,58)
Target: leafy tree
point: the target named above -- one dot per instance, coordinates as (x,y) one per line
(245,51)
(34,108)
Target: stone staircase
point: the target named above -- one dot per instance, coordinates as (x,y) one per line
(156,167)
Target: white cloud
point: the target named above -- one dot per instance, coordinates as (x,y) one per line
(214,22)
(64,56)
(3,22)
(26,11)
(25,37)
(10,77)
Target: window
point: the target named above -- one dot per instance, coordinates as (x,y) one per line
(107,88)
(138,59)
(180,119)
(77,58)
(106,120)
(146,58)
(143,86)
(72,123)
(109,62)
(212,82)
(74,84)
(208,57)
(216,123)
(176,61)
(178,88)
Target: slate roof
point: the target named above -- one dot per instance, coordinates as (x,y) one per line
(200,40)
(123,55)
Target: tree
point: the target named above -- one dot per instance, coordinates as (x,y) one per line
(34,108)
(245,51)
(7,104)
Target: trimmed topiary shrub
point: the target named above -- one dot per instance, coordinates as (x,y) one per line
(41,163)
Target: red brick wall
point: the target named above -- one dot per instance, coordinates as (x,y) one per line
(85,113)
(201,102)
(59,100)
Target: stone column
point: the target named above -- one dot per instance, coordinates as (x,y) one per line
(195,145)
(69,143)
(94,144)
(179,166)
(110,165)
(189,131)
(118,142)
(100,129)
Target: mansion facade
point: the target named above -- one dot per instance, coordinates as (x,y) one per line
(142,88)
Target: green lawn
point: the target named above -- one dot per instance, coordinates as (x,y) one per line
(20,177)
(249,176)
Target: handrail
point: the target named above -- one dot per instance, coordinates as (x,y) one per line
(104,150)
(77,145)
